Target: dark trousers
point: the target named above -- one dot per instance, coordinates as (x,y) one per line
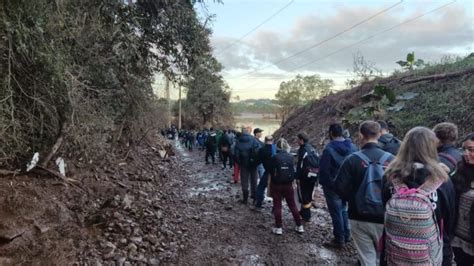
(210,152)
(461,258)
(225,156)
(248,177)
(280,192)
(262,185)
(306,188)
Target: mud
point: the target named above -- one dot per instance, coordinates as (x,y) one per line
(151,211)
(225,232)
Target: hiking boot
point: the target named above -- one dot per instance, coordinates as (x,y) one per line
(300,229)
(334,244)
(277,231)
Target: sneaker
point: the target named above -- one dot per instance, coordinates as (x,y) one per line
(300,229)
(277,231)
(334,244)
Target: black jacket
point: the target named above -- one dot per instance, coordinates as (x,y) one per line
(265,155)
(350,176)
(305,148)
(451,151)
(389,143)
(445,210)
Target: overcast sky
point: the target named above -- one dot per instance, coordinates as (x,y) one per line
(255,65)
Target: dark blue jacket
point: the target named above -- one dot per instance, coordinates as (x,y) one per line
(350,176)
(245,144)
(333,154)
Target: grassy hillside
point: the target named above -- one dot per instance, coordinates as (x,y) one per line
(436,93)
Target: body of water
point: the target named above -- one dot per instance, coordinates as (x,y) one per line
(268,125)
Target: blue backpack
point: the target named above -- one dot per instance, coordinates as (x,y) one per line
(369,195)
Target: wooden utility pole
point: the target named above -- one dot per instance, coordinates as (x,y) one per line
(168,97)
(179,113)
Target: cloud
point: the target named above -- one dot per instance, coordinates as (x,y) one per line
(430,37)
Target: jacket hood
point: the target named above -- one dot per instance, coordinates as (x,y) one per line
(386,138)
(245,138)
(343,148)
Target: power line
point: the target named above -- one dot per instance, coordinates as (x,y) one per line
(371,37)
(256,27)
(374,35)
(328,39)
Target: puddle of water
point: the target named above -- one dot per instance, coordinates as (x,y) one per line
(325,254)
(203,190)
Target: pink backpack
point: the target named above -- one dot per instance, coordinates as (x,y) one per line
(412,234)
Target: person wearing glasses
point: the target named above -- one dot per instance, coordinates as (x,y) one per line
(463,242)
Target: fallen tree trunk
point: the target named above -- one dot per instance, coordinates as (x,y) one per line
(440,76)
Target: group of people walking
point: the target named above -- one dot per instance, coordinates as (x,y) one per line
(399,202)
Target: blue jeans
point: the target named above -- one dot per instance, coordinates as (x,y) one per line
(262,185)
(338,211)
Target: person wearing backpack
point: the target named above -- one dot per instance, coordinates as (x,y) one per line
(307,171)
(333,155)
(420,204)
(211,143)
(224,147)
(359,181)
(258,134)
(463,242)
(245,149)
(282,176)
(266,155)
(447,134)
(387,141)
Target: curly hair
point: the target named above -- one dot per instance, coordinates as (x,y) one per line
(446,132)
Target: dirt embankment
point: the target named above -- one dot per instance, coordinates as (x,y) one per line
(423,97)
(122,213)
(149,211)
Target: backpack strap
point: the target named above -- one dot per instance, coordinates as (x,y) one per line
(430,186)
(451,159)
(398,184)
(363,157)
(384,158)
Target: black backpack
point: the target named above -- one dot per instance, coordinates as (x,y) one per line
(310,164)
(254,155)
(285,172)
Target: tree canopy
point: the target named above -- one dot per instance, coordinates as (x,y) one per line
(301,90)
(81,71)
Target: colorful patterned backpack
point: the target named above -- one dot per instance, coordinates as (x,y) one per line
(412,234)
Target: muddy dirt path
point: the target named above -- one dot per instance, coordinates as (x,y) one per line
(226,232)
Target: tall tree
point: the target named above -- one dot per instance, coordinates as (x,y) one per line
(301,90)
(208,97)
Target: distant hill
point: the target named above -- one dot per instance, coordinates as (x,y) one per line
(422,97)
(261,106)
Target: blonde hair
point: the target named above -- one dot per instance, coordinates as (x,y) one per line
(282,144)
(418,146)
